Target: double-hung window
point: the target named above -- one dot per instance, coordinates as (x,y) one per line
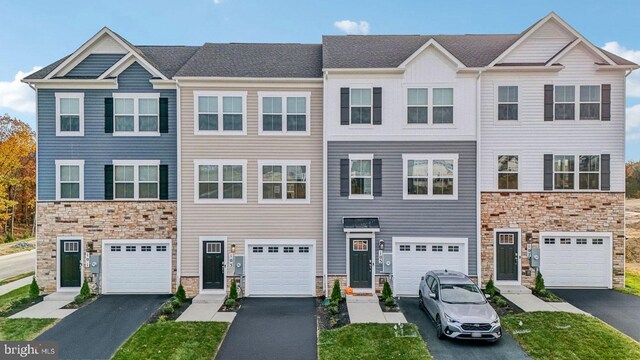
(430,176)
(283,181)
(136,114)
(507,172)
(69,179)
(361,176)
(417,106)
(220,181)
(564,172)
(589,172)
(590,102)
(507,103)
(284,113)
(136,179)
(69,114)
(565,169)
(220,113)
(443,106)
(361,105)
(565,103)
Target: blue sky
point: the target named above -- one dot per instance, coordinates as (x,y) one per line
(36,33)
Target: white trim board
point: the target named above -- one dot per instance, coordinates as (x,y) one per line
(372,247)
(201,241)
(58,254)
(519,248)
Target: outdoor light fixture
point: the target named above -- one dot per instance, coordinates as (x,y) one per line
(381,244)
(233,248)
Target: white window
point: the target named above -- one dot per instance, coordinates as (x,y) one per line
(361,176)
(145,248)
(436,248)
(589,172)
(69,179)
(565,241)
(283,181)
(161,248)
(430,176)
(214,248)
(136,179)
(69,114)
(565,103)
(508,172)
(549,241)
(115,248)
(303,249)
(507,103)
(565,169)
(71,246)
(284,113)
(563,172)
(220,113)
(360,245)
(220,181)
(257,249)
(273,249)
(130,248)
(405,247)
(581,241)
(136,114)
(453,248)
(361,105)
(443,106)
(590,102)
(287,249)
(596,241)
(421,247)
(417,106)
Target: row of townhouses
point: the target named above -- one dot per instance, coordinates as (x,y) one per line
(284,167)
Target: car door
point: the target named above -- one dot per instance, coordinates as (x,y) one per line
(428,301)
(435,288)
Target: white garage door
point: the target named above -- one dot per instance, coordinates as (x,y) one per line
(275,270)
(413,260)
(136,268)
(570,261)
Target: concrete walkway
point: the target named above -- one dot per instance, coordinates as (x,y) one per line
(49,308)
(204,307)
(366,309)
(14,285)
(525,300)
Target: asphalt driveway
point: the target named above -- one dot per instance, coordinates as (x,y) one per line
(97,330)
(272,328)
(622,311)
(506,348)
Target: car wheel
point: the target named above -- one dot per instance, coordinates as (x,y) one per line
(439,332)
(420,301)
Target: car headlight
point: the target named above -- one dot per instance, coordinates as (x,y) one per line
(450,319)
(495,321)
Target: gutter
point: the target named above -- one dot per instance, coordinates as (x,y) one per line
(179,189)
(478,175)
(325,263)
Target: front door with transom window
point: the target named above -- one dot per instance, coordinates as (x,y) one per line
(360,265)
(212,265)
(70,263)
(507,256)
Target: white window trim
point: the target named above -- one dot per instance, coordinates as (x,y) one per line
(578,95)
(219,95)
(429,87)
(80,164)
(66,95)
(136,115)
(136,178)
(430,158)
(220,164)
(284,164)
(498,172)
(576,102)
(428,106)
(227,265)
(453,104)
(59,249)
(283,96)
(360,157)
(361,87)
(576,173)
(498,103)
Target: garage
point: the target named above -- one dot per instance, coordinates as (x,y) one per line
(280,269)
(412,259)
(570,260)
(138,267)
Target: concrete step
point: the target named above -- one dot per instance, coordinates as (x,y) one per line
(68,296)
(513,289)
(209,299)
(362,299)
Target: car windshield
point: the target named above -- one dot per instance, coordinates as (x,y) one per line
(461,294)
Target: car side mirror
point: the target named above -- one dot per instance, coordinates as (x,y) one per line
(488,296)
(432,295)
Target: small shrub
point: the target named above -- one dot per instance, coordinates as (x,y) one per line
(386,291)
(167,309)
(180,294)
(230,303)
(539,288)
(390,302)
(336,294)
(490,288)
(175,303)
(162,318)
(500,301)
(333,309)
(25,235)
(8,238)
(84,290)
(233,292)
(79,299)
(34,289)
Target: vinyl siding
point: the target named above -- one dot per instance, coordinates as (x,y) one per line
(96,147)
(94,65)
(541,45)
(239,222)
(398,217)
(551,137)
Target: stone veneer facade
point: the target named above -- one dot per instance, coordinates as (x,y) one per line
(94,221)
(537,212)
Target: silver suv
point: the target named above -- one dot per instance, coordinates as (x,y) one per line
(458,307)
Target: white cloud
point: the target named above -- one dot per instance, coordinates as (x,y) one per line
(633,80)
(353,27)
(633,123)
(217,1)
(16,95)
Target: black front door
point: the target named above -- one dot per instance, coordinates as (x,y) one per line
(70,263)
(507,256)
(212,265)
(360,263)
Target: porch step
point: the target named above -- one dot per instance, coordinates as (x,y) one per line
(513,289)
(61,296)
(208,299)
(362,299)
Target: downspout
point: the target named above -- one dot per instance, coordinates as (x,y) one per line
(478,175)
(325,277)
(179,188)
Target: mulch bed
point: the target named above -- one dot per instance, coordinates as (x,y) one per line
(509,309)
(173,316)
(385,308)
(74,305)
(236,307)
(19,307)
(328,321)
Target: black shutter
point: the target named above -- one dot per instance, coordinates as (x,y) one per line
(548,103)
(164,182)
(108,115)
(164,115)
(377,106)
(606,102)
(548,171)
(377,177)
(344,177)
(108,182)
(605,172)
(344,106)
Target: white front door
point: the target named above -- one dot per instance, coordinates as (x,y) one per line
(280,269)
(136,267)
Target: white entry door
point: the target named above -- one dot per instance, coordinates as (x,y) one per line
(280,269)
(136,268)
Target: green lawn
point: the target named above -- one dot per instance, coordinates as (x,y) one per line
(15,278)
(371,341)
(23,329)
(560,335)
(13,296)
(174,340)
(632,283)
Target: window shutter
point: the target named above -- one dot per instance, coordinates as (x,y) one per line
(548,171)
(344,106)
(164,115)
(377,106)
(605,172)
(377,177)
(605,97)
(164,182)
(344,177)
(108,115)
(548,103)
(108,182)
